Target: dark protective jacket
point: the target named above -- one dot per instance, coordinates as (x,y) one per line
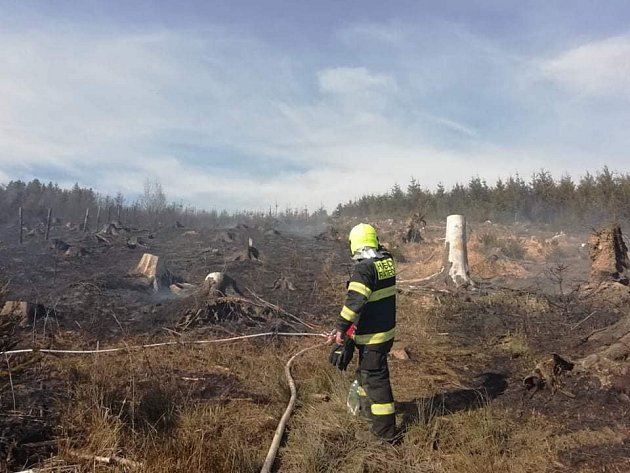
(371,301)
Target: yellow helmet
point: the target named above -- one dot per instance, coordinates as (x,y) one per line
(362,235)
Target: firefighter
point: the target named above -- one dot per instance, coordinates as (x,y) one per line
(368,320)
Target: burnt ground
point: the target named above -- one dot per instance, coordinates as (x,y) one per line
(486,357)
(98,295)
(92,298)
(523,310)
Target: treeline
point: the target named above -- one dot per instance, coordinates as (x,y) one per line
(594,198)
(150,210)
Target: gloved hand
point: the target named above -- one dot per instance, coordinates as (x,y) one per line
(341,355)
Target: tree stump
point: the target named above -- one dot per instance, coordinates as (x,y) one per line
(218,284)
(456,252)
(154,269)
(252,251)
(412,229)
(610,361)
(609,256)
(25,312)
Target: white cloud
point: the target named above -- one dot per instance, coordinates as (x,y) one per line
(354,80)
(453,125)
(599,68)
(351,170)
(228,121)
(378,34)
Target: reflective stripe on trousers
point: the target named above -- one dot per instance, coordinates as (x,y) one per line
(373,375)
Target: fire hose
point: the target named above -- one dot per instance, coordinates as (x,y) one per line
(161,344)
(275,443)
(279,433)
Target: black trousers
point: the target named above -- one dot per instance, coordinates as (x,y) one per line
(376,393)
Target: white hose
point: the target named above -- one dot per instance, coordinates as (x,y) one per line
(277,437)
(275,444)
(153,345)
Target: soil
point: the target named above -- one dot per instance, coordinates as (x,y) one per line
(96,300)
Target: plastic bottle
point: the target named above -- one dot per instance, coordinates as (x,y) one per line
(353,402)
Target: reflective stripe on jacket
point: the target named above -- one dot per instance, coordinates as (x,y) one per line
(371,301)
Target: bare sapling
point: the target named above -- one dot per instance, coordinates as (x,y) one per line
(48,217)
(20,224)
(85,220)
(98,218)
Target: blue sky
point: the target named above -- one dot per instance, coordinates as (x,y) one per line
(238,104)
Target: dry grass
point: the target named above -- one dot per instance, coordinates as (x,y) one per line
(491,255)
(138,406)
(514,248)
(486,440)
(488,240)
(177,409)
(510,246)
(588,438)
(482,439)
(420,259)
(515,344)
(323,439)
(483,267)
(330,285)
(214,408)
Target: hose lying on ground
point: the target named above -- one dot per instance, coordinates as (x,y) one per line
(275,444)
(153,345)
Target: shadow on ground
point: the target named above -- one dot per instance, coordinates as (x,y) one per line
(449,402)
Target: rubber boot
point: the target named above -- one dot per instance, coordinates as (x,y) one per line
(384,427)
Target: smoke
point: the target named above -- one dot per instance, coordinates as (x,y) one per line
(304,229)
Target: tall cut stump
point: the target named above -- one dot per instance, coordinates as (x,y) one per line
(456,254)
(609,256)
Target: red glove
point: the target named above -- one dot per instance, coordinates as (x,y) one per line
(351,330)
